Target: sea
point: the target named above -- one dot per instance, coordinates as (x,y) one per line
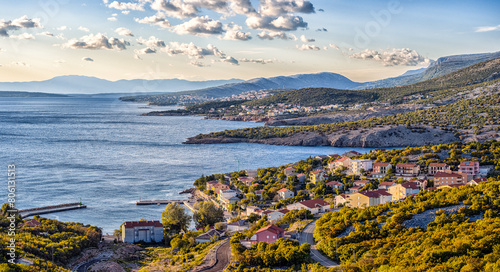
(102,152)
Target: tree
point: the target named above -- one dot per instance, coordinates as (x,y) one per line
(175,219)
(207,215)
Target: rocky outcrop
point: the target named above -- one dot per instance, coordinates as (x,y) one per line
(387,136)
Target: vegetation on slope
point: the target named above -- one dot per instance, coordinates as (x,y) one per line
(52,240)
(459,115)
(451,243)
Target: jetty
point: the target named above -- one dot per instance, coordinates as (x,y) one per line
(50,209)
(158,202)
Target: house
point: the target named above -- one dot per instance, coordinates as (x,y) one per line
(217,187)
(401,191)
(360,183)
(341,199)
(335,185)
(316,176)
(471,168)
(301,178)
(268,234)
(407,169)
(386,185)
(227,193)
(363,199)
(435,167)
(209,236)
(252,173)
(239,225)
(275,216)
(333,156)
(285,193)
(377,150)
(146,231)
(32,223)
(444,178)
(259,192)
(314,205)
(290,171)
(477,181)
(380,169)
(422,183)
(359,166)
(252,209)
(321,157)
(246,180)
(355,189)
(351,154)
(339,163)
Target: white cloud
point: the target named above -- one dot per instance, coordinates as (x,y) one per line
(112,19)
(242,7)
(192,51)
(306,40)
(276,35)
(125,12)
(151,42)
(127,6)
(281,23)
(98,41)
(487,28)
(19,23)
(24,36)
(124,32)
(176,8)
(83,29)
(201,26)
(258,61)
(306,47)
(21,64)
(45,33)
(147,50)
(61,28)
(154,20)
(334,46)
(393,57)
(280,7)
(197,63)
(230,60)
(234,32)
(88,59)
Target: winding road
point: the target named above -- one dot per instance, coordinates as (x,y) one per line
(223,256)
(307,237)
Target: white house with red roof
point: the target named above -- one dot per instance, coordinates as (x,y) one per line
(275,216)
(380,169)
(315,206)
(285,193)
(146,231)
(386,184)
(290,171)
(268,234)
(407,169)
(246,180)
(339,163)
(335,185)
(358,166)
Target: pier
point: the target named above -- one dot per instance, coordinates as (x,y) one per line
(158,202)
(50,209)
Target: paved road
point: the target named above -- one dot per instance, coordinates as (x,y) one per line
(83,267)
(307,237)
(223,258)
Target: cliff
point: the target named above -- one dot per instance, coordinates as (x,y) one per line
(386,136)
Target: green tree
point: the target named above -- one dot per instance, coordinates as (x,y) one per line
(175,219)
(207,214)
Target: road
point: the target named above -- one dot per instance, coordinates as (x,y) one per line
(83,267)
(307,237)
(223,258)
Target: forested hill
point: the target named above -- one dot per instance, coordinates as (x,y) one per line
(481,72)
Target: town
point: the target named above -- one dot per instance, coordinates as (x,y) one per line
(276,203)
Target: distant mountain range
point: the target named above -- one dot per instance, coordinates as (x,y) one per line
(222,88)
(93,85)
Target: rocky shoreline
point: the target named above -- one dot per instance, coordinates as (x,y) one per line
(386,136)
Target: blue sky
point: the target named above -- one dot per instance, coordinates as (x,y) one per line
(221,39)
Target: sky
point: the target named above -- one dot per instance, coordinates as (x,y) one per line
(363,40)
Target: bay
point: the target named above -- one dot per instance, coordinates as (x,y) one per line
(100,151)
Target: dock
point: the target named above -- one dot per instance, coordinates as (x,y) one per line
(158,202)
(50,209)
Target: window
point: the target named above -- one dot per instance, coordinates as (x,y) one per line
(268,237)
(274,237)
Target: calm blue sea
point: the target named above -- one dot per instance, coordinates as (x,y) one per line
(101,151)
